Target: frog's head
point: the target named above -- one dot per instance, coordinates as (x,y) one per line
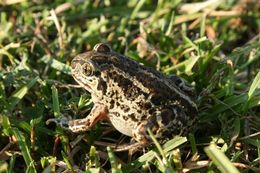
(87,68)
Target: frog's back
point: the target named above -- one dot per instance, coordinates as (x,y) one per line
(136,93)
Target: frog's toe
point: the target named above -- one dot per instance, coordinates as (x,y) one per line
(63,122)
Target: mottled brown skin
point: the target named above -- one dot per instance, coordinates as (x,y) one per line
(133,97)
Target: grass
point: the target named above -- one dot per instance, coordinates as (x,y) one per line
(214,47)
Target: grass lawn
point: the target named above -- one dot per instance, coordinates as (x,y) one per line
(214,45)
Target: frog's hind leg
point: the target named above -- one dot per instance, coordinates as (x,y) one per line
(98,112)
(140,134)
(160,125)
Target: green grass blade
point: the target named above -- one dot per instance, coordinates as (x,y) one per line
(55,100)
(20,93)
(254,86)
(149,156)
(64,68)
(158,146)
(170,27)
(202,25)
(176,158)
(11,164)
(115,167)
(187,64)
(93,164)
(5,123)
(220,159)
(3,166)
(174,143)
(258,149)
(67,161)
(189,41)
(228,103)
(137,8)
(166,164)
(192,144)
(190,63)
(24,149)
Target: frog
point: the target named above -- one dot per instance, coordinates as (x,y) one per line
(132,96)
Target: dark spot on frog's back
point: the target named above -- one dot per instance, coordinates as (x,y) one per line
(132,117)
(125,118)
(127,86)
(115,114)
(125,108)
(112,104)
(145,105)
(133,92)
(102,86)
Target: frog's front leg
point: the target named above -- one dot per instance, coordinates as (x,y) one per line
(98,112)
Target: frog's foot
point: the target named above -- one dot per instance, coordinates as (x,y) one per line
(76,126)
(62,121)
(140,134)
(98,112)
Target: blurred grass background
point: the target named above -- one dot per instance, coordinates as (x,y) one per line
(212,44)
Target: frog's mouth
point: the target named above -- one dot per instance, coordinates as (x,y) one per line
(83,83)
(78,77)
(86,86)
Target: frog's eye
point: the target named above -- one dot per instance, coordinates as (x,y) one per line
(88,69)
(102,48)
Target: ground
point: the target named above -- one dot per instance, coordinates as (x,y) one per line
(214,45)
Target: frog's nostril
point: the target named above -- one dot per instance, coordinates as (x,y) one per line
(75,62)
